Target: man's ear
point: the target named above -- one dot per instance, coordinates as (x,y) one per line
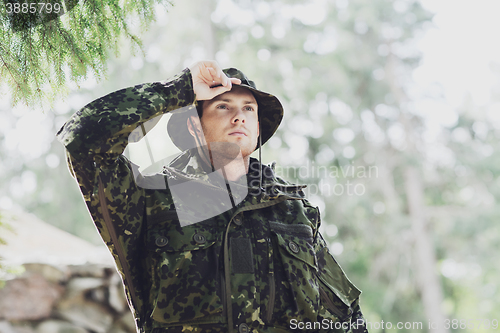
(192,120)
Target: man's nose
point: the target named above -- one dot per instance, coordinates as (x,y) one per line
(239,116)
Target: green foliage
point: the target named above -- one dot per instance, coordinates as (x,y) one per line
(9,272)
(39,61)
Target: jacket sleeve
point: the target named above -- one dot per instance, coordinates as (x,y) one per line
(95,138)
(338,294)
(339,297)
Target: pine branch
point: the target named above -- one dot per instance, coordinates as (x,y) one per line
(34,58)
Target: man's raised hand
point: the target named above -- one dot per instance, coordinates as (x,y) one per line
(209,80)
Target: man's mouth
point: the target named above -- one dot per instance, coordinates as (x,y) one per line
(238,133)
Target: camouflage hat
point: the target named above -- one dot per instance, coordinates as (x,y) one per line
(270,114)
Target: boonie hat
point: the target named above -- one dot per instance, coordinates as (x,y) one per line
(270,114)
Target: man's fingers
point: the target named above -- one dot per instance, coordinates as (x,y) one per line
(218,91)
(235,80)
(221,77)
(206,75)
(208,93)
(218,78)
(213,73)
(209,80)
(224,79)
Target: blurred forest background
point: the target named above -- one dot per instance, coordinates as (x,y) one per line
(406,173)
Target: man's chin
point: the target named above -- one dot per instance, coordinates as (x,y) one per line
(231,150)
(224,152)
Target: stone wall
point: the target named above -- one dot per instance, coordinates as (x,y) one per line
(65,299)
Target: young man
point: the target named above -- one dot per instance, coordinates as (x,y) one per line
(236,249)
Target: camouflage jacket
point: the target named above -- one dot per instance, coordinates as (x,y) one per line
(261,266)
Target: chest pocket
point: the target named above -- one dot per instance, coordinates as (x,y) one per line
(300,266)
(185,272)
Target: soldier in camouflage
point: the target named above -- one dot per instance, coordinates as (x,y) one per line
(257,265)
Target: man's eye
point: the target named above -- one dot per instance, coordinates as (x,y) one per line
(222,106)
(248,108)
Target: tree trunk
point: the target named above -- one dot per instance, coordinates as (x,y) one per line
(207,7)
(425,261)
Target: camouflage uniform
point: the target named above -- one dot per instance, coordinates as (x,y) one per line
(258,267)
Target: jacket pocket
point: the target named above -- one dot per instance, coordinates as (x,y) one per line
(300,267)
(186,283)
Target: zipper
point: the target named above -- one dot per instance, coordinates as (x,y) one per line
(272,297)
(334,309)
(272,282)
(117,248)
(223,294)
(227,273)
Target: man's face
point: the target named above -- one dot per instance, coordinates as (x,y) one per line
(232,117)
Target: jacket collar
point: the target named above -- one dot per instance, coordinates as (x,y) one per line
(189,166)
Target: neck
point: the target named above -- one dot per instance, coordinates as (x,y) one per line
(233,170)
